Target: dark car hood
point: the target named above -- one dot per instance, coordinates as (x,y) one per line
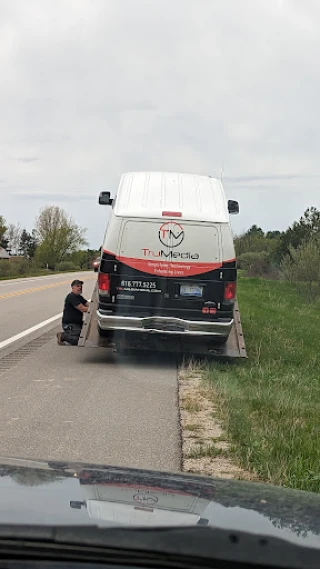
(52,493)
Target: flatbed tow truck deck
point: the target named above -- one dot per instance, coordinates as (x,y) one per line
(90,338)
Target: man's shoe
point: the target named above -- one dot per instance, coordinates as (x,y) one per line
(59,339)
(61,342)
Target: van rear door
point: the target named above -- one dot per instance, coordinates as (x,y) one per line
(196,290)
(139,285)
(168,268)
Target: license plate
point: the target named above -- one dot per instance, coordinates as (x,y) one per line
(191,290)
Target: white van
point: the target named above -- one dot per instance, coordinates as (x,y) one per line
(168,262)
(138,498)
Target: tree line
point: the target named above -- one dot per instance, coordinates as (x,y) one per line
(55,243)
(293,254)
(58,243)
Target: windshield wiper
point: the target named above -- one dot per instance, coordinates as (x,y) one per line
(173,547)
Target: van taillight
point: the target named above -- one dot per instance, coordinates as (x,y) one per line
(104,284)
(230,291)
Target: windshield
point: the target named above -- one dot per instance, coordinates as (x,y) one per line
(174,329)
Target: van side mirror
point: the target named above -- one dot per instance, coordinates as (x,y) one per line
(233,206)
(104,198)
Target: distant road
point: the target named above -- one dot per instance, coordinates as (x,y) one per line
(25,303)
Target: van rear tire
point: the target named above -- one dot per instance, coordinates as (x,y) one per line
(104,333)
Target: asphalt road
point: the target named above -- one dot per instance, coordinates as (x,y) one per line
(25,303)
(60,402)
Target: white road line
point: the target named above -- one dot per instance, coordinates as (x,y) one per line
(9,341)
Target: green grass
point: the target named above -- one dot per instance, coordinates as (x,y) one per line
(270,403)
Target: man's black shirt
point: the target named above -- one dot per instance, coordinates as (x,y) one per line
(71,314)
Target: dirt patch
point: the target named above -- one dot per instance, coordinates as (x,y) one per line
(205,449)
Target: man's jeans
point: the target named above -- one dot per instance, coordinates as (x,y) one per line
(71,333)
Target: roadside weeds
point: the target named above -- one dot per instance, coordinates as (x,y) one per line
(205,448)
(269,404)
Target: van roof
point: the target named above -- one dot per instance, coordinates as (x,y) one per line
(148,194)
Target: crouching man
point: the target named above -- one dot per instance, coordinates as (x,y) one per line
(75,305)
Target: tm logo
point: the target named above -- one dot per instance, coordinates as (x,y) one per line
(145,499)
(171,234)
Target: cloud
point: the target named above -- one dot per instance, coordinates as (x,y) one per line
(267,178)
(53,198)
(27,159)
(92,89)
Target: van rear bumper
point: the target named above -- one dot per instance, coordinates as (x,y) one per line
(164,325)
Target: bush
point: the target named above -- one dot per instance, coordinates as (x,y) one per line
(23,267)
(67,266)
(4,268)
(302,268)
(255,264)
(247,243)
(81,259)
(16,268)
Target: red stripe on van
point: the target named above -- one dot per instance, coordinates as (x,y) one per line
(165,268)
(169,268)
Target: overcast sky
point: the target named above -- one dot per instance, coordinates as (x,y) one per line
(93,88)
